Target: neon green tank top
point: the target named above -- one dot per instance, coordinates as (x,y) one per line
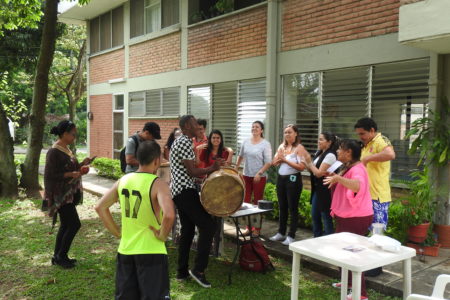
(138,215)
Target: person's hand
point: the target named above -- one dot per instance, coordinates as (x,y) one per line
(216,165)
(75,174)
(257,178)
(221,161)
(331,180)
(157,233)
(365,160)
(201,147)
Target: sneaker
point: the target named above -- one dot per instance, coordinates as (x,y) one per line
(349,297)
(288,241)
(200,278)
(181,276)
(338,285)
(278,237)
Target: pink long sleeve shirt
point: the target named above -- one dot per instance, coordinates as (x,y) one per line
(348,204)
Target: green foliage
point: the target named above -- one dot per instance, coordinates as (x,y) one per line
(19,14)
(304,207)
(106,167)
(433,136)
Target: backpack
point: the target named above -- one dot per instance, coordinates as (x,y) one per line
(254,257)
(123,160)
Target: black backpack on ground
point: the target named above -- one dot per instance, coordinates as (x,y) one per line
(123,160)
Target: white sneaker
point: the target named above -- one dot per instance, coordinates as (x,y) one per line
(278,237)
(288,241)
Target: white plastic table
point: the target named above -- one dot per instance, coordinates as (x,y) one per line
(329,249)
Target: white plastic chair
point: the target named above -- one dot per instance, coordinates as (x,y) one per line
(438,290)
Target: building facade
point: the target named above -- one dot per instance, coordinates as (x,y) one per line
(319,64)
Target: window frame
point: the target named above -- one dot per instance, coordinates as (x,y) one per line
(111,26)
(162,99)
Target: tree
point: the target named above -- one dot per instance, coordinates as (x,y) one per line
(13,15)
(68,70)
(29,179)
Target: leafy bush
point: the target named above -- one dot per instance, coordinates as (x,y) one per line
(106,167)
(304,207)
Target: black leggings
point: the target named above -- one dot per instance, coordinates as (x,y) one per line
(289,188)
(70,224)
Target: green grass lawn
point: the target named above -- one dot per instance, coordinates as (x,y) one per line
(26,247)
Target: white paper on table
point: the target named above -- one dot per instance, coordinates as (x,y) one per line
(334,166)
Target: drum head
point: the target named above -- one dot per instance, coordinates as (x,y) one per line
(222,195)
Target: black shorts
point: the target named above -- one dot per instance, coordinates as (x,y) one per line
(142,276)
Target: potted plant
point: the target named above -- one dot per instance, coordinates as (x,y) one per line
(429,247)
(417,209)
(432,142)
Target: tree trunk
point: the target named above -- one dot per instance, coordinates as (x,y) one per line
(8,177)
(30,169)
(72,115)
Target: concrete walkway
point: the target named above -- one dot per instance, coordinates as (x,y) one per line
(424,273)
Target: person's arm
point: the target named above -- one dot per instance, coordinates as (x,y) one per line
(267,160)
(386,154)
(166,153)
(277,158)
(193,171)
(351,184)
(102,209)
(130,152)
(300,152)
(322,170)
(230,156)
(161,193)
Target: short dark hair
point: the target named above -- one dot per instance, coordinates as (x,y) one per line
(202,122)
(154,129)
(63,126)
(184,120)
(147,152)
(354,145)
(366,123)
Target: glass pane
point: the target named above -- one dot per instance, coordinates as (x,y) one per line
(301,106)
(118,140)
(251,106)
(199,100)
(344,100)
(117,26)
(170,12)
(94,35)
(152,21)
(118,121)
(399,97)
(105,31)
(118,102)
(136,18)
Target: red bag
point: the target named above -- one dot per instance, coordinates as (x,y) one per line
(254,257)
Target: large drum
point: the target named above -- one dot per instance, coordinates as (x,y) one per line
(223,192)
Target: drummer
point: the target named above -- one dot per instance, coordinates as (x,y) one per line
(187,200)
(206,157)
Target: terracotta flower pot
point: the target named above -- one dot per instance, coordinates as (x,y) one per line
(418,234)
(425,250)
(443,234)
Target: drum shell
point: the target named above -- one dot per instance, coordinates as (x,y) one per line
(222,193)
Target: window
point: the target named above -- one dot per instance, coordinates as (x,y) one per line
(231,107)
(199,103)
(301,106)
(200,10)
(394,94)
(155,103)
(251,106)
(148,16)
(117,125)
(106,31)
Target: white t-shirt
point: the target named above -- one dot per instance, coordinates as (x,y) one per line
(330,159)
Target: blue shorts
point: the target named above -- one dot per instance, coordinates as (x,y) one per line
(380,212)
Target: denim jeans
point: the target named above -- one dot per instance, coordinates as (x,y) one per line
(319,218)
